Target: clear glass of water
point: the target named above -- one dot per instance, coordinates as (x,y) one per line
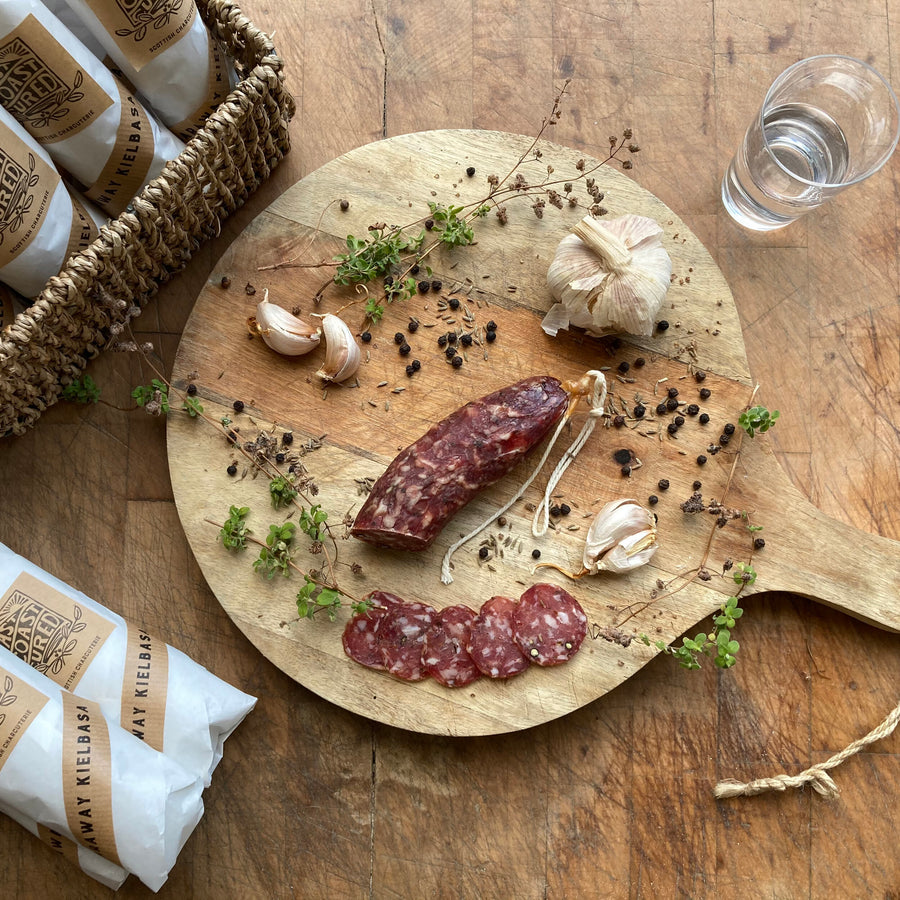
(826,123)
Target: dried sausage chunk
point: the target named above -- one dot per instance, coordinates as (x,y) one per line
(444,655)
(361,637)
(433,478)
(492,646)
(549,625)
(402,637)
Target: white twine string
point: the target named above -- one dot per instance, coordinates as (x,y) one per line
(597,402)
(817,776)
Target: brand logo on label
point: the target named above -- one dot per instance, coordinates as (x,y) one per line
(144,15)
(16,196)
(33,92)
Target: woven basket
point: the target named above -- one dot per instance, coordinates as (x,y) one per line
(48,345)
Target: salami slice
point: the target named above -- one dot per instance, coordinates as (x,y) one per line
(475,446)
(401,638)
(549,625)
(444,654)
(492,646)
(361,637)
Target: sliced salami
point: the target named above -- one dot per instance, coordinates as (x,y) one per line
(361,637)
(549,625)
(401,638)
(444,654)
(492,646)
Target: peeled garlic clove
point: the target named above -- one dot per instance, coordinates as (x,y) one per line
(622,537)
(342,353)
(611,276)
(282,331)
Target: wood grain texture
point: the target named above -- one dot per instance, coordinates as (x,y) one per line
(613,799)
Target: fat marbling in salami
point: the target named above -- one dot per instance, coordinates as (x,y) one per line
(475,446)
(444,655)
(549,625)
(492,644)
(402,638)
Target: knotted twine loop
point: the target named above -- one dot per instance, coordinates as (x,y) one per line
(816,776)
(597,403)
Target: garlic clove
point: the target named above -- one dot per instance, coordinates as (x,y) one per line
(342,353)
(622,537)
(282,331)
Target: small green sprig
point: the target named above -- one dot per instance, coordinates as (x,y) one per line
(155,392)
(454,230)
(82,390)
(233,533)
(282,491)
(312,522)
(758,418)
(718,644)
(374,257)
(313,598)
(277,553)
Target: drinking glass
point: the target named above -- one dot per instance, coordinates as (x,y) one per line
(826,123)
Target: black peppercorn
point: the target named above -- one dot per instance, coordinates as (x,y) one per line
(639,411)
(663,484)
(232,469)
(671,404)
(287,438)
(724,439)
(491,326)
(653,499)
(535,554)
(639,362)
(279,458)
(618,421)
(679,421)
(729,428)
(450,352)
(451,337)
(404,349)
(470,171)
(697,485)
(399,337)
(705,393)
(660,409)
(624,367)
(554,511)
(701,460)
(436,285)
(622,456)
(700,376)
(759,543)
(366,336)
(457,361)
(429,224)
(225,282)
(672,392)
(564,509)
(424,287)
(388,280)
(410,370)
(442,340)
(345,205)
(692,409)
(191,389)
(238,406)
(662,325)
(453,303)
(671,428)
(483,553)
(626,471)
(465,340)
(414,270)
(413,326)
(416,365)
(704,418)
(490,336)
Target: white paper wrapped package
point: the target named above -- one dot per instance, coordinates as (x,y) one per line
(41,223)
(164,50)
(74,107)
(64,766)
(152,690)
(98,868)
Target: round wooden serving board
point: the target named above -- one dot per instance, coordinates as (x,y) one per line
(356,430)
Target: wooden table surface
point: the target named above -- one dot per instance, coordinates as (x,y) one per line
(614,800)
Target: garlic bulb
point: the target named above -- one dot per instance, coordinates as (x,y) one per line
(609,277)
(342,354)
(621,537)
(281,330)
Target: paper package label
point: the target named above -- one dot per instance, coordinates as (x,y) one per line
(20,704)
